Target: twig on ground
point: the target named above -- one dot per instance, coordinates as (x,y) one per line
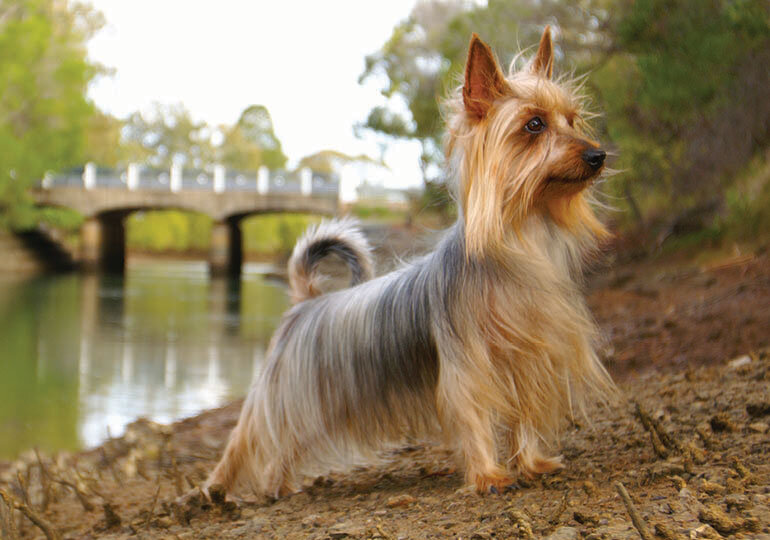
(82,497)
(154,502)
(7,524)
(554,519)
(40,522)
(520,520)
(661,440)
(23,487)
(109,462)
(45,482)
(636,519)
(178,485)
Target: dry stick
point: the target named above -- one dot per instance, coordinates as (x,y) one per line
(23,487)
(154,502)
(45,481)
(89,482)
(110,465)
(82,497)
(636,519)
(49,530)
(657,444)
(7,524)
(554,519)
(178,486)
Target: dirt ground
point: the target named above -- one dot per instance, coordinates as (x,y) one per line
(688,442)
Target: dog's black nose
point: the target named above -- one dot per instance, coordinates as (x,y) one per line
(594,157)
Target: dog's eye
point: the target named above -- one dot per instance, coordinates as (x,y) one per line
(535,125)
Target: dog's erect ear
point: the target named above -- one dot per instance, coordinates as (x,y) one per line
(543,62)
(484,82)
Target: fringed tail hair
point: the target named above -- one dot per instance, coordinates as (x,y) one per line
(341,237)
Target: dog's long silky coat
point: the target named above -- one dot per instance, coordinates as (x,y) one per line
(485,342)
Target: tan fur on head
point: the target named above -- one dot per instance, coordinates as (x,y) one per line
(507,173)
(486,341)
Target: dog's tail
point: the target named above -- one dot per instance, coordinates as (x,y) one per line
(341,237)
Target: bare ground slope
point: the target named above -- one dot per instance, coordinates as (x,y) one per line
(689,441)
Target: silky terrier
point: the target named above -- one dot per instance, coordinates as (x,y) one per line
(485,343)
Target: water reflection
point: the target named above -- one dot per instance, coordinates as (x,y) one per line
(81,356)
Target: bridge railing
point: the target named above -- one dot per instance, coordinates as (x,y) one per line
(216,179)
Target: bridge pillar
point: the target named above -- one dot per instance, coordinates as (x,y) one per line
(103,243)
(226,254)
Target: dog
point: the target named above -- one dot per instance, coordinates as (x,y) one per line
(485,343)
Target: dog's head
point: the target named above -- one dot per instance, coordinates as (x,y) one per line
(521,144)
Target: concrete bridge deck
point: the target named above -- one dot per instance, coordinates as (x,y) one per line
(106,197)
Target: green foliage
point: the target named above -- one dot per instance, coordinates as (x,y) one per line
(44,74)
(380,214)
(165,135)
(274,233)
(425,56)
(168,230)
(329,161)
(682,85)
(61,218)
(684,97)
(178,231)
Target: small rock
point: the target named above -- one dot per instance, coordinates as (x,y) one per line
(758,409)
(564,533)
(249,529)
(737,500)
(314,520)
(739,361)
(715,516)
(712,488)
(164,522)
(664,530)
(345,530)
(589,487)
(704,531)
(721,422)
(400,500)
(759,427)
(584,517)
(111,518)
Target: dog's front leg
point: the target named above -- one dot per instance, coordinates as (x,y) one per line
(466,417)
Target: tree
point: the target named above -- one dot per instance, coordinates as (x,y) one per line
(103,144)
(165,135)
(44,111)
(415,70)
(685,100)
(330,161)
(425,55)
(251,142)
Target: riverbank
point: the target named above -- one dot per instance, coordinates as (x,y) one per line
(687,343)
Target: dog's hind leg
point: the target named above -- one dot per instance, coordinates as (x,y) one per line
(235,458)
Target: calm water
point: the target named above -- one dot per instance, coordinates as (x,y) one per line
(82,356)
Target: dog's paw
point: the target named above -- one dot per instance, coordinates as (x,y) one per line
(508,488)
(495,484)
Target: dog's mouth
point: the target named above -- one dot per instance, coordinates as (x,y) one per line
(584,179)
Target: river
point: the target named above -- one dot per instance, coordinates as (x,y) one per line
(81,355)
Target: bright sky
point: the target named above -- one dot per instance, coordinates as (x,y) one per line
(301,59)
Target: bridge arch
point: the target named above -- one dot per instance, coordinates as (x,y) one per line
(106,199)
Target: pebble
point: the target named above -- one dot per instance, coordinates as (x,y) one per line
(564,533)
(739,361)
(721,422)
(345,529)
(759,427)
(400,500)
